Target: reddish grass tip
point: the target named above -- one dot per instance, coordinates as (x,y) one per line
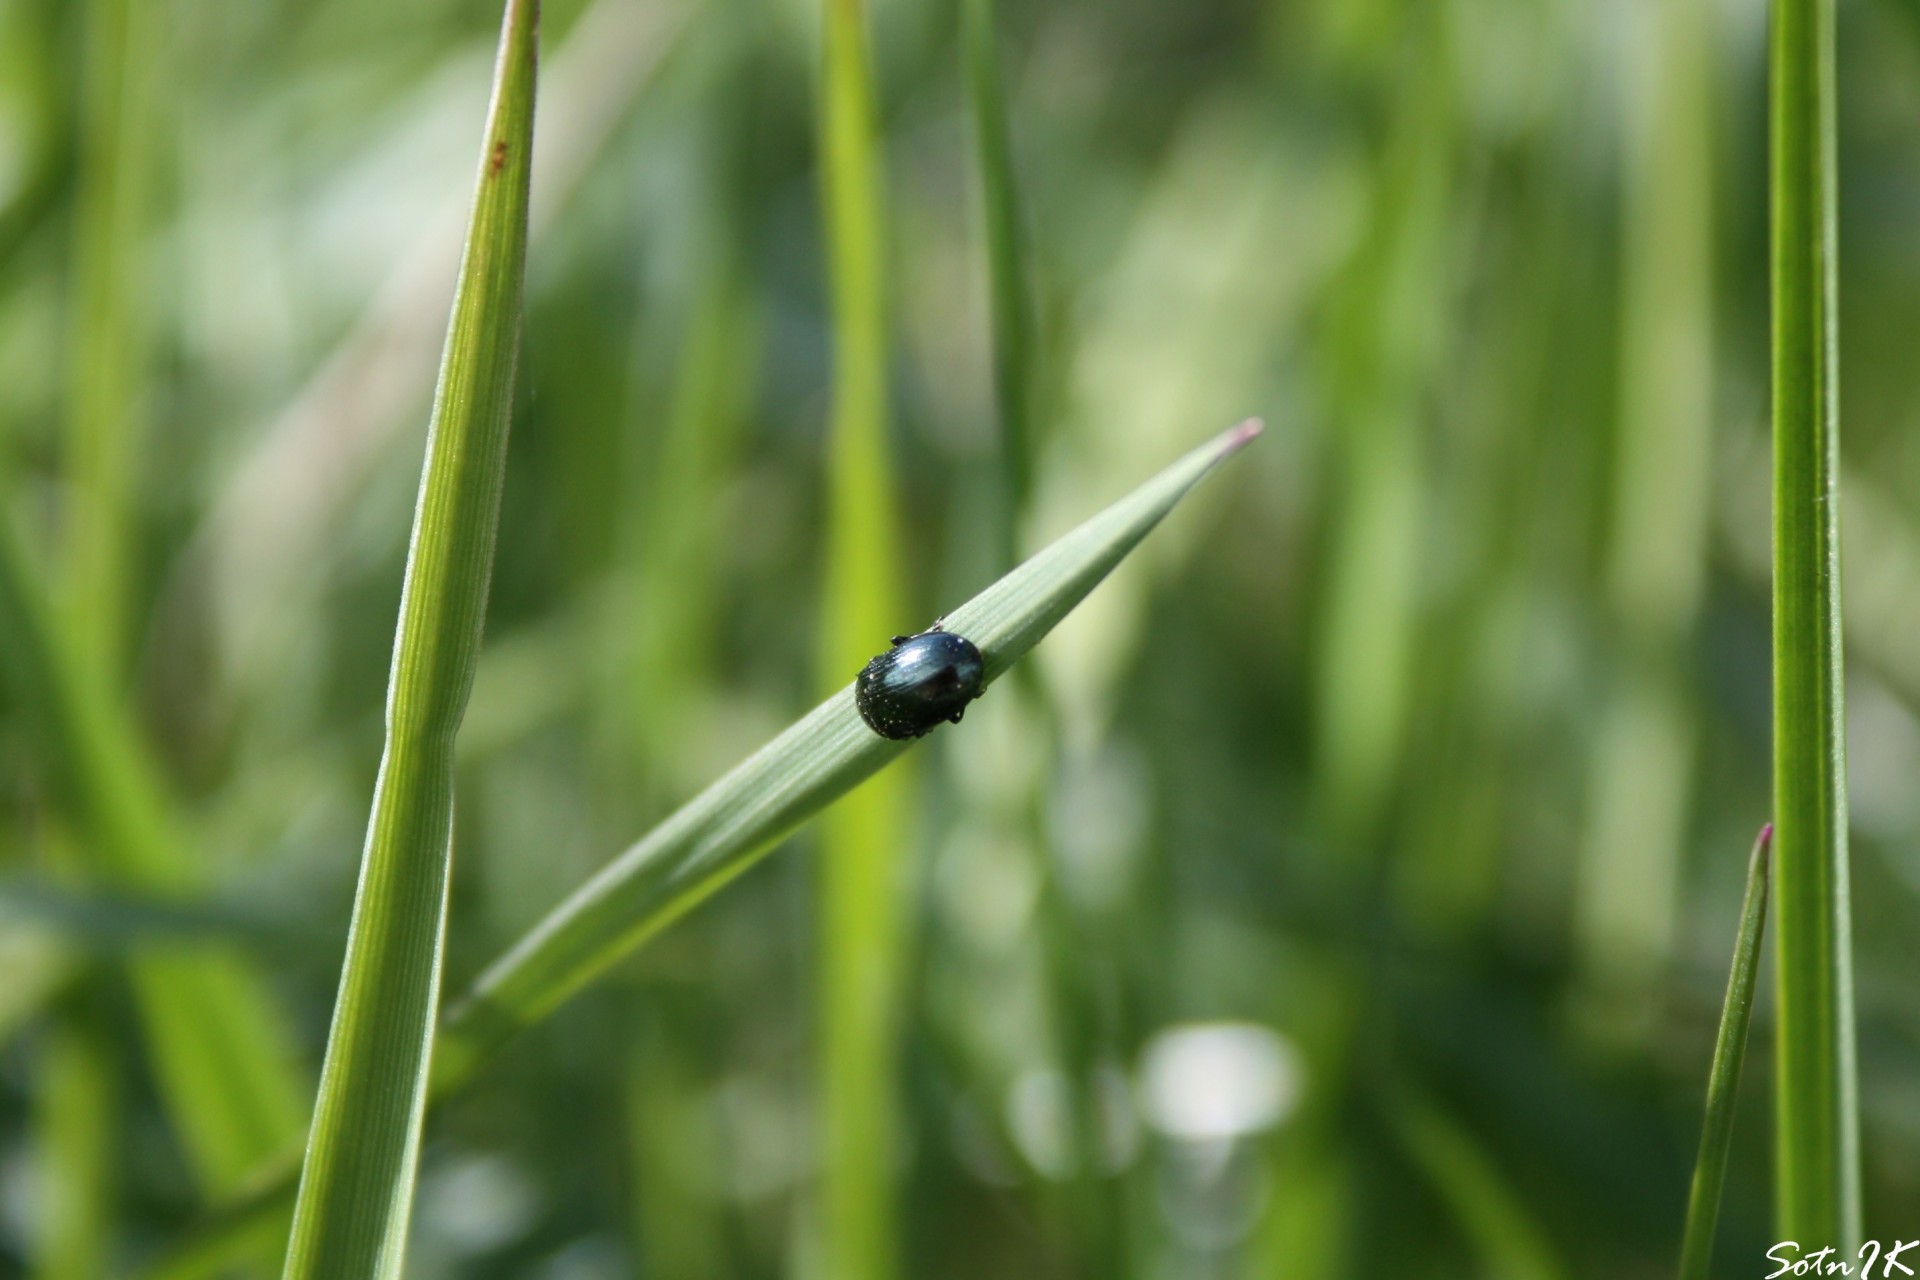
(1238,436)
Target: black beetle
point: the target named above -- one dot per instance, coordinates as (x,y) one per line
(922,680)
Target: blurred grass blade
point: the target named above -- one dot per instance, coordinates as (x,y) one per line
(863,839)
(108,280)
(356,1189)
(1388,335)
(277,508)
(1723,1080)
(1511,1243)
(217,1051)
(1816,1105)
(1009,291)
(78,1124)
(1641,770)
(726,828)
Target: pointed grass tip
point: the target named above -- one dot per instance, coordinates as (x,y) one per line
(1238,437)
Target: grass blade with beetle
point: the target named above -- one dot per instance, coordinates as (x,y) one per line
(724,830)
(1723,1080)
(356,1188)
(1816,1107)
(728,827)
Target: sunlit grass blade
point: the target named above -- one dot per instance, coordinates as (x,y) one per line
(1386,340)
(1816,1104)
(356,1189)
(863,906)
(726,828)
(1723,1079)
(217,1050)
(79,1104)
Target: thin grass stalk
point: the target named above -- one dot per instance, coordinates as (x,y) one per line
(863,840)
(356,1188)
(1816,1105)
(1723,1078)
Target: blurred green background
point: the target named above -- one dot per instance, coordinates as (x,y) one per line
(1351,893)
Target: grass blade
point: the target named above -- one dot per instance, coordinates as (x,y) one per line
(725,829)
(862,841)
(1816,1106)
(356,1188)
(78,1126)
(1009,292)
(217,1052)
(105,388)
(1491,1214)
(1645,739)
(1723,1080)
(728,827)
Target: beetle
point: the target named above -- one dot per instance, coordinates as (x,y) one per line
(922,680)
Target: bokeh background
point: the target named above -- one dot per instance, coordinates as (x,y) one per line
(1351,893)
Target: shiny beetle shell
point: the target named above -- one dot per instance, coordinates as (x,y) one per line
(921,681)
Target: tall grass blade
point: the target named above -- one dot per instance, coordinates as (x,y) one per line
(218,1053)
(1816,1105)
(863,839)
(356,1188)
(1723,1080)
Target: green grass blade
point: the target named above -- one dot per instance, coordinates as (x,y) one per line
(218,1055)
(1816,1105)
(79,1120)
(1511,1243)
(108,280)
(1009,291)
(1723,1080)
(356,1188)
(726,828)
(1645,737)
(863,840)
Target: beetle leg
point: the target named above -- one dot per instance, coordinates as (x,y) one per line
(955,717)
